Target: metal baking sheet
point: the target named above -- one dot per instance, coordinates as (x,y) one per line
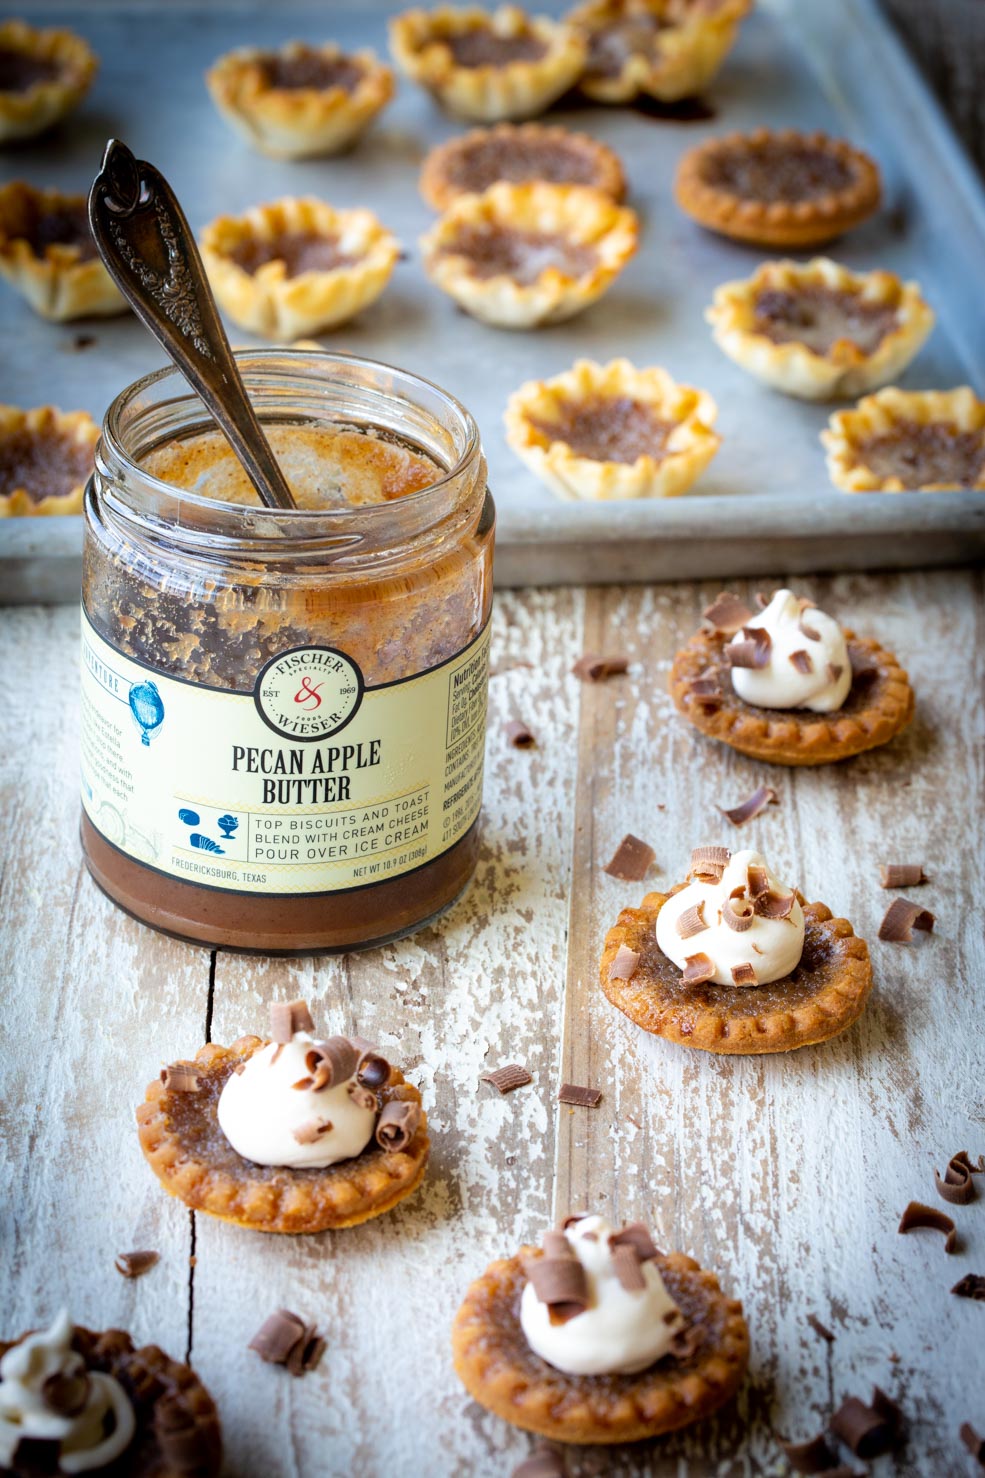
(765,504)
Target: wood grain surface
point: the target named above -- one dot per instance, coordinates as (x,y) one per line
(786,1175)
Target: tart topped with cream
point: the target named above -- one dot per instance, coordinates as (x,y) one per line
(664,49)
(816,330)
(48,255)
(734,960)
(46,458)
(787,684)
(597,1336)
(908,441)
(44,74)
(296,1134)
(778,187)
(468,165)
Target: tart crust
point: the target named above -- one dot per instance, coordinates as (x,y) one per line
(166,1396)
(778,187)
(582,218)
(422,43)
(905,415)
(279,306)
(689,446)
(59,280)
(501,1372)
(823,997)
(189,1154)
(688,43)
(519,155)
(22,436)
(299,122)
(26,112)
(878,707)
(843,368)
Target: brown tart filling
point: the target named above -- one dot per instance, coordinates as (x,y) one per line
(607,429)
(44,464)
(777,171)
(300,251)
(505,251)
(484,48)
(488,159)
(922,454)
(310,70)
(610,46)
(820,317)
(20,71)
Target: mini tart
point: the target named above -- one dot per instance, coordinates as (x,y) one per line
(821,998)
(300,101)
(878,707)
(297,266)
(190,1155)
(486,66)
(816,330)
(178,1432)
(488,251)
(778,188)
(901,441)
(46,458)
(665,49)
(43,76)
(47,253)
(612,431)
(500,1370)
(474,161)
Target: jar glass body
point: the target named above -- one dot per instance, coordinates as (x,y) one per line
(285,670)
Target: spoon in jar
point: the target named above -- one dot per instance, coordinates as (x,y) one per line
(149,251)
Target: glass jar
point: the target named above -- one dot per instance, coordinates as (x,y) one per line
(283,713)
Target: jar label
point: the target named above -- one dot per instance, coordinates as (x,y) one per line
(312,783)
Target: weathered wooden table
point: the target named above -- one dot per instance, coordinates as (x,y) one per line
(785,1174)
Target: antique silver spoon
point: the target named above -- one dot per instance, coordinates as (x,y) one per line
(148,248)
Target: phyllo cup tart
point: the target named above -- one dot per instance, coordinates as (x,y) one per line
(902,441)
(519,256)
(778,187)
(734,961)
(596,1336)
(43,76)
(488,66)
(603,431)
(293,1134)
(300,101)
(816,330)
(48,255)
(298,266)
(73,1401)
(474,161)
(664,49)
(46,459)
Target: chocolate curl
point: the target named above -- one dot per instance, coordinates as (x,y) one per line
(277,1337)
(363,1098)
(757,882)
(135,1264)
(775,905)
(814,1456)
(579,1096)
(288,1017)
(707,689)
(505,1079)
(900,920)
(802,661)
(624,963)
(974,1443)
(691,921)
(559,1280)
(957,1185)
(744,975)
(698,969)
(628,1268)
(754,651)
(329,1063)
(635,1235)
(738,913)
(631,860)
(180,1077)
(869,1431)
(752,806)
(901,875)
(727,612)
(918,1217)
(972,1285)
(65,1394)
(594,669)
(685,1341)
(811,633)
(399,1121)
(709,862)
(835,670)
(543,1462)
(373,1070)
(519,735)
(311,1130)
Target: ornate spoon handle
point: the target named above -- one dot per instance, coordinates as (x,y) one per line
(148,248)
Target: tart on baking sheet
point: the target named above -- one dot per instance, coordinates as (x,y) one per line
(46,458)
(786,684)
(596,1336)
(47,253)
(900,441)
(518,256)
(43,76)
(612,431)
(300,101)
(297,266)
(778,187)
(816,330)
(293,1134)
(665,49)
(735,961)
(488,66)
(469,164)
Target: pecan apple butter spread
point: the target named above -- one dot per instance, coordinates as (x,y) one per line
(925,454)
(821,317)
(776,170)
(612,428)
(507,251)
(300,251)
(311,69)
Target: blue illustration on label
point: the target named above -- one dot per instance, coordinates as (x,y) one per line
(147,709)
(205,844)
(227,825)
(190,818)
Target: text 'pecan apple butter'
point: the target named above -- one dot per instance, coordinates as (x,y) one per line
(283,713)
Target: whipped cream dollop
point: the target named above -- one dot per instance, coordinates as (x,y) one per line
(734,914)
(620,1330)
(47,1393)
(800,661)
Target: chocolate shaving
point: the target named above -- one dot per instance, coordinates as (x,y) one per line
(628,1268)
(136,1264)
(957,1185)
(311,1130)
(918,1217)
(363,1098)
(869,1431)
(972,1285)
(373,1070)
(738,913)
(399,1121)
(594,669)
(505,1079)
(277,1337)
(580,1097)
(624,963)
(691,921)
(900,920)
(543,1462)
(762,601)
(864,669)
(814,1456)
(180,1077)
(709,862)
(811,633)
(631,860)
(802,661)
(707,689)
(685,1341)
(558,1279)
(974,1443)
(697,969)
(329,1063)
(901,875)
(65,1394)
(753,651)
(757,881)
(727,612)
(835,670)
(635,1235)
(288,1017)
(519,735)
(820,1329)
(775,905)
(307,1353)
(744,975)
(752,807)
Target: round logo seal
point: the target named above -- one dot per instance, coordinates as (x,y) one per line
(309,692)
